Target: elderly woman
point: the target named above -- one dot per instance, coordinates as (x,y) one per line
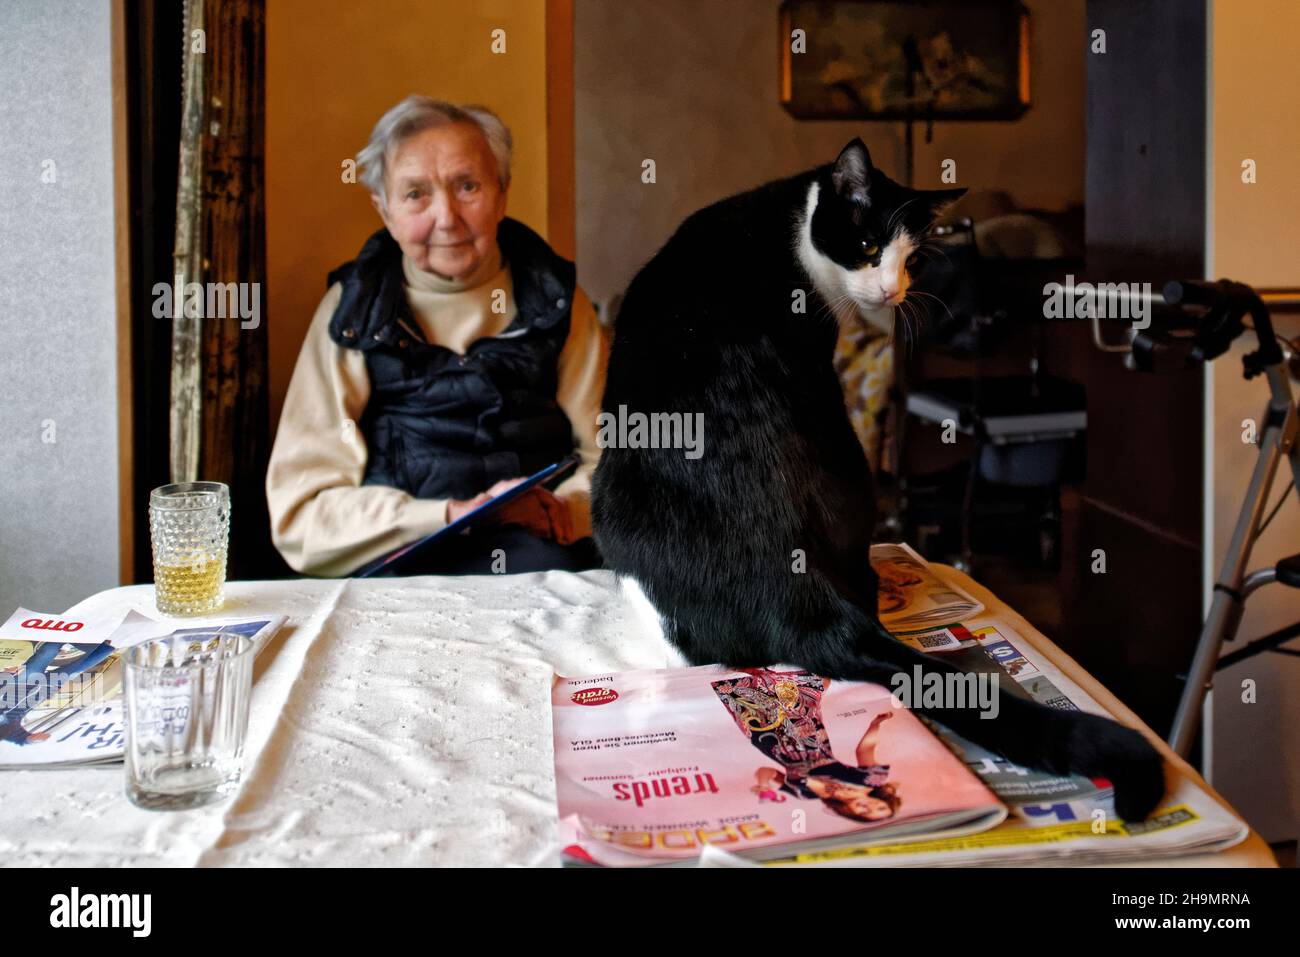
(453,356)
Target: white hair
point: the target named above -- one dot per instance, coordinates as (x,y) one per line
(417,113)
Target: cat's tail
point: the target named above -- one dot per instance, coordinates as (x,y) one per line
(1020,729)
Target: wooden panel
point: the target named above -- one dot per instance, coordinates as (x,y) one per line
(153,51)
(1135,625)
(1145,187)
(1145,169)
(235,443)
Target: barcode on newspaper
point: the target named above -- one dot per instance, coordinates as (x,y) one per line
(937,640)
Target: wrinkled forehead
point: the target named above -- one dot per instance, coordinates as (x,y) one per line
(445,152)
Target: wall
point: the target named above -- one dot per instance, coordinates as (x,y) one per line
(695,87)
(1255,238)
(59,500)
(333,67)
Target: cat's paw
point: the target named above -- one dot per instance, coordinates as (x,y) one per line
(1127,760)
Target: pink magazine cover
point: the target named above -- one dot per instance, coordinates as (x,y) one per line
(653,765)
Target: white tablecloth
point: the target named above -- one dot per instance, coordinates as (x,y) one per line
(394,722)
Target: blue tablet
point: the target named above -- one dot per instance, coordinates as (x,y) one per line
(465,522)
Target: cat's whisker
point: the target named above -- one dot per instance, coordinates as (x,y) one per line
(930,295)
(932,250)
(842,307)
(897,214)
(907,316)
(899,318)
(840,311)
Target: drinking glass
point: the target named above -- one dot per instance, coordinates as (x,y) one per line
(187,701)
(189,524)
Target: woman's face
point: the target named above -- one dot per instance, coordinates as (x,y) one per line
(869,808)
(444,199)
(858,800)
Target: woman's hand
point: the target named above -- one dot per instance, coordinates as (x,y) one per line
(537,510)
(459,508)
(767,779)
(541,513)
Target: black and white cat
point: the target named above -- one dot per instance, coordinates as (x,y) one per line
(755,552)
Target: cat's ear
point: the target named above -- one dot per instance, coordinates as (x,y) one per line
(852,174)
(940,199)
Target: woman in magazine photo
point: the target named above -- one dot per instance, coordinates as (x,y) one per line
(31,680)
(781,713)
(898,577)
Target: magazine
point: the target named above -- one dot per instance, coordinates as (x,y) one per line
(912,597)
(1064,820)
(652,766)
(61,702)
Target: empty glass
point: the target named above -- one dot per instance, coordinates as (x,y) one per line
(186,718)
(189,524)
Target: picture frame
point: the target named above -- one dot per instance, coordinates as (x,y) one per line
(905,59)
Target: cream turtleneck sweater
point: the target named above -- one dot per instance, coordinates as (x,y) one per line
(323,520)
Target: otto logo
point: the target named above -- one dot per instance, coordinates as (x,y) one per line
(53,624)
(595,696)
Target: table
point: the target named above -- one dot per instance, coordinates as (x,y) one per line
(399,722)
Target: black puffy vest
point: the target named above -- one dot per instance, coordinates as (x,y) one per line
(442,425)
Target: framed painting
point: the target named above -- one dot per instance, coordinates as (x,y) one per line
(901,59)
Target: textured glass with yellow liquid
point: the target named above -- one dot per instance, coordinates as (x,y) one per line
(189,524)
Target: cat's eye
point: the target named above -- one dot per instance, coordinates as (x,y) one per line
(869,248)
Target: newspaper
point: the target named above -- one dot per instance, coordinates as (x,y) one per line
(1054,820)
(912,596)
(61,702)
